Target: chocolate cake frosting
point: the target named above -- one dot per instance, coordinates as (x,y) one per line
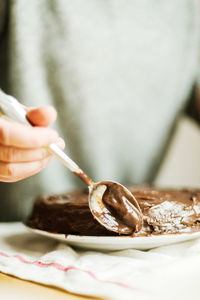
(164,211)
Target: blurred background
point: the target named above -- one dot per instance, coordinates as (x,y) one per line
(120,70)
(181,166)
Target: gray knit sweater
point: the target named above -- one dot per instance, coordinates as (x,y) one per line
(119,72)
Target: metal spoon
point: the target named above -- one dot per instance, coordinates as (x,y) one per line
(111,204)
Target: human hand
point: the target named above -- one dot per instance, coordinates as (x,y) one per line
(22,152)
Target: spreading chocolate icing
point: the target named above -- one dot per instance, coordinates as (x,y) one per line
(164,212)
(121,209)
(116,208)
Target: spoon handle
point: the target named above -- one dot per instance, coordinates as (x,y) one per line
(69,163)
(12,109)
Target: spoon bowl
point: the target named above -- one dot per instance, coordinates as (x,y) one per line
(114,207)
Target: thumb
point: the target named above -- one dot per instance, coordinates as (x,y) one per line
(42,116)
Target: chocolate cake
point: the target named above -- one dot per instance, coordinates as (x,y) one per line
(164,212)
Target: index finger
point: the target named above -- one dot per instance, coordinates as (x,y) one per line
(24,136)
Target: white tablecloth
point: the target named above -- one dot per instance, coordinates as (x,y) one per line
(168,272)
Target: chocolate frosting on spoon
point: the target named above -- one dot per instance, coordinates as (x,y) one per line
(123,205)
(115,207)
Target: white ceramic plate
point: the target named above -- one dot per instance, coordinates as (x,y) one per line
(118,242)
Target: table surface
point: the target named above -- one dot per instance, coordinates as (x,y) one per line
(14,288)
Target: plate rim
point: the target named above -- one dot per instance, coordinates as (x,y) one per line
(114,239)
